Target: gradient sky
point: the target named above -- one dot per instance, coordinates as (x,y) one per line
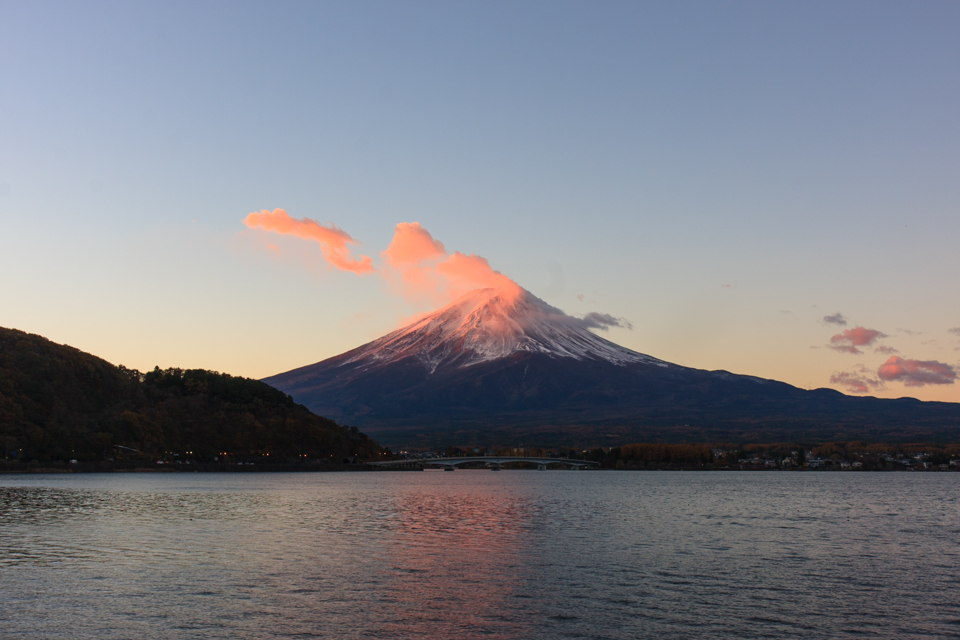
(724,175)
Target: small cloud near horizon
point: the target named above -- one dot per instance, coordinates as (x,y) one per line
(604,321)
(916,373)
(836,318)
(885,349)
(856,381)
(845,348)
(849,340)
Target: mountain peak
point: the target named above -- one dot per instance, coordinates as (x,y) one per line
(487,324)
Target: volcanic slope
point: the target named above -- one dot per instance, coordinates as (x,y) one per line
(508,368)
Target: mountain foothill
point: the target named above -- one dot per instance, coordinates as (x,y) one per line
(58,403)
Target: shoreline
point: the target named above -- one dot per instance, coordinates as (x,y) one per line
(95,467)
(136,467)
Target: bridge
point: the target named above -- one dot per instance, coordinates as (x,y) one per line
(491,462)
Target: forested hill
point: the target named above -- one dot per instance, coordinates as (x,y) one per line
(59,403)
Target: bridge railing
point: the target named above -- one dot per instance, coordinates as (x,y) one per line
(489,461)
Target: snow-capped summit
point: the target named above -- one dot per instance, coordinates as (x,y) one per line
(488,324)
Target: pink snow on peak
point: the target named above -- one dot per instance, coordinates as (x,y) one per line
(487,324)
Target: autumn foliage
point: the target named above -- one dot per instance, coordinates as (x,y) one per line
(59,403)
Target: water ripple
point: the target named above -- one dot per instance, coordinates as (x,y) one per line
(515,554)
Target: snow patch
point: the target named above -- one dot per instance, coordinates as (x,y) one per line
(484,325)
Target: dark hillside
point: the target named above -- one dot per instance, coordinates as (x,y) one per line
(59,403)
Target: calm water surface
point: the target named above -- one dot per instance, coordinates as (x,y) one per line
(514,554)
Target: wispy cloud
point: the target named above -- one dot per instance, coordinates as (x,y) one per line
(604,321)
(856,381)
(845,348)
(836,318)
(885,349)
(334,242)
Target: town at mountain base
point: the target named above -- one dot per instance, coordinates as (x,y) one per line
(490,369)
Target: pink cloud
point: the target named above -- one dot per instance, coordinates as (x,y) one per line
(333,240)
(854,381)
(468,272)
(412,244)
(916,373)
(849,340)
(415,264)
(427,270)
(410,263)
(417,261)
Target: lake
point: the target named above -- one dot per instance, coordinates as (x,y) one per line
(513,554)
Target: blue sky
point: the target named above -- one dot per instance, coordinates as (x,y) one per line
(722,175)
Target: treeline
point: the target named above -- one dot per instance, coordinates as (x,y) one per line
(875,455)
(59,403)
(851,454)
(651,455)
(632,456)
(857,454)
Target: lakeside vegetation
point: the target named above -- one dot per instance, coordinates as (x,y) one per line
(853,455)
(856,455)
(58,403)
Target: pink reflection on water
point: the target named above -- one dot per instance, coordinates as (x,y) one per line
(456,561)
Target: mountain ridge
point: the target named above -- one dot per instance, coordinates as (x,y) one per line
(516,368)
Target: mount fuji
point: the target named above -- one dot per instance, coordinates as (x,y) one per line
(504,367)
